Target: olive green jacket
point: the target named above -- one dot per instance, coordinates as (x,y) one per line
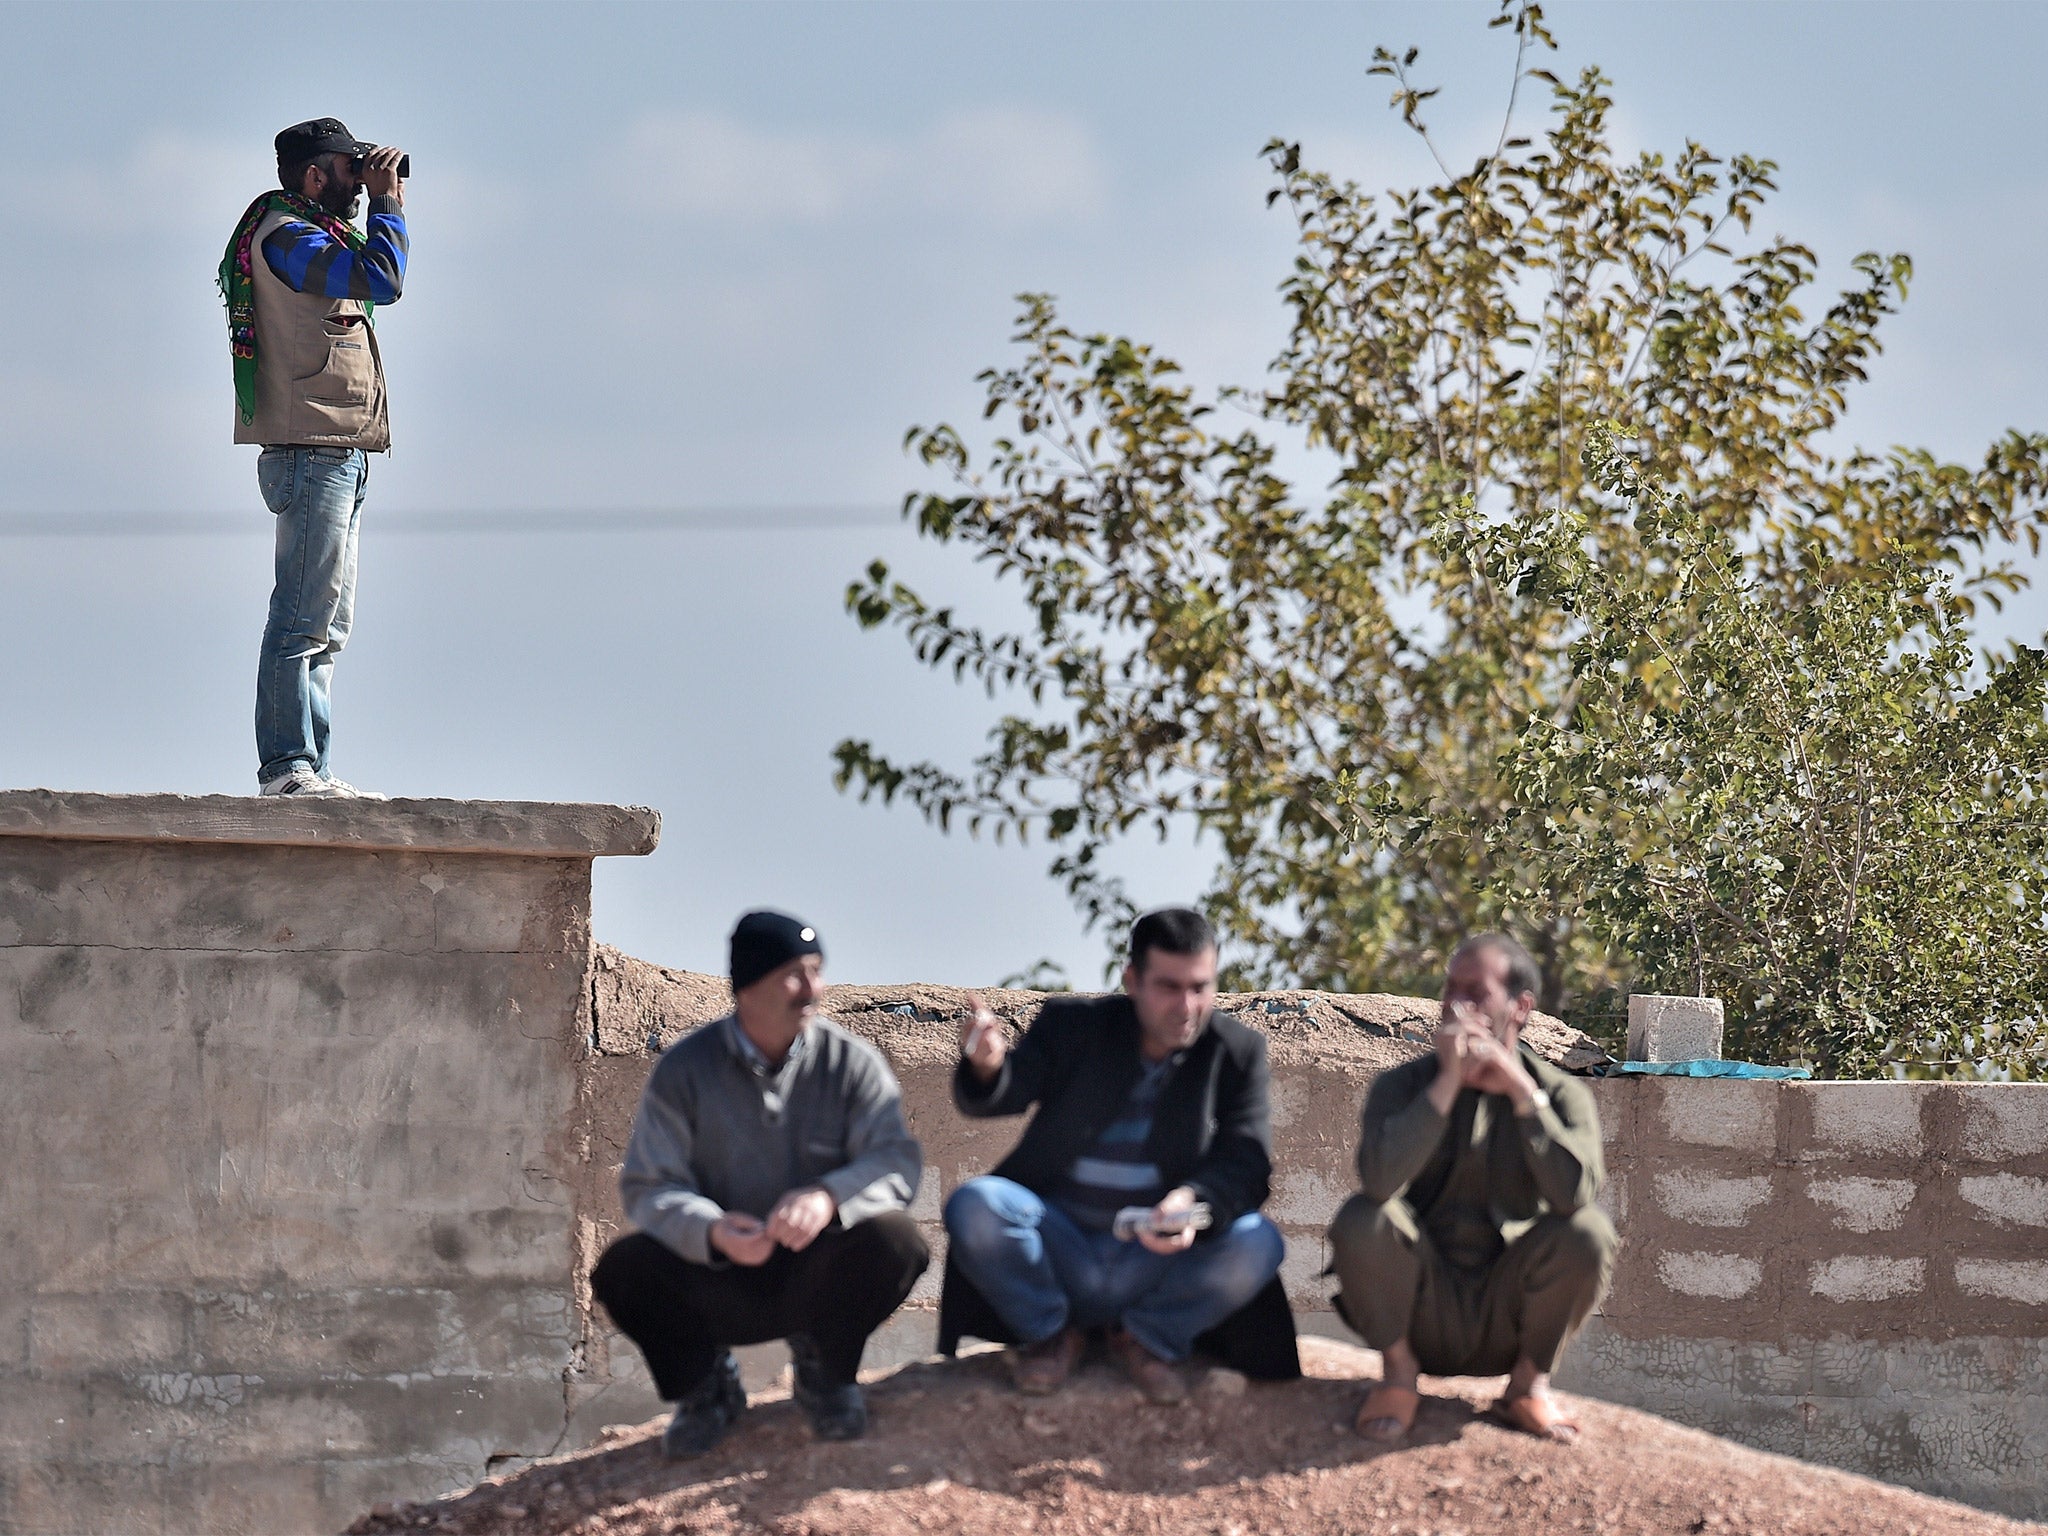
(1545,1162)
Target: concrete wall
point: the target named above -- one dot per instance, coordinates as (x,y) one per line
(289,1101)
(1850,1273)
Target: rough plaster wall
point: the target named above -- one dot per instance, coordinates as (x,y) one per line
(1852,1273)
(291,1229)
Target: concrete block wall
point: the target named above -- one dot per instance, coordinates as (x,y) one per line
(290,1117)
(1850,1273)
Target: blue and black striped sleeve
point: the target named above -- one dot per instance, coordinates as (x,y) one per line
(309,260)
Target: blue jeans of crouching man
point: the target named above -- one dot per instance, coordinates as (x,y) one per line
(1041,1271)
(317,494)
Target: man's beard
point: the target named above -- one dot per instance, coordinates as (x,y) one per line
(339,203)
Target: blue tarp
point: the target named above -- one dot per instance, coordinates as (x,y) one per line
(1699,1069)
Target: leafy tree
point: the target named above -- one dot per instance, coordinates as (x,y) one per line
(1826,812)
(1304,675)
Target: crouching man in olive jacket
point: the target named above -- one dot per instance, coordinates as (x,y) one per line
(1474,1247)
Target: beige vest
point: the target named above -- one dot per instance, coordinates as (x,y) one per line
(319,375)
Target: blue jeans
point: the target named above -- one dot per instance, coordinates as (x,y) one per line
(1041,1271)
(317,494)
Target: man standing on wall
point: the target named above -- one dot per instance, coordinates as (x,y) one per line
(301,284)
(1474,1247)
(768,1174)
(1150,1104)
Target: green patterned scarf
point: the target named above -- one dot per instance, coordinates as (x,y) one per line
(238,281)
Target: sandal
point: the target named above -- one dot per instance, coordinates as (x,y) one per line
(1387,1414)
(1537,1415)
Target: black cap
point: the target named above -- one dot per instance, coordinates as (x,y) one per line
(763,940)
(318,136)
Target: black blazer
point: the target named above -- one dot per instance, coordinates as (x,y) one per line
(1211,1129)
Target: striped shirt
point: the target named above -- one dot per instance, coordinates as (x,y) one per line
(307,259)
(1114,1170)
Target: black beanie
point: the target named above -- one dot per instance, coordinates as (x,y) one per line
(763,940)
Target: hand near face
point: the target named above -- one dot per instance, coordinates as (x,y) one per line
(1178,1202)
(983,1044)
(742,1238)
(1456,1039)
(800,1216)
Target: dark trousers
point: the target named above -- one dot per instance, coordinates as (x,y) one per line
(838,1290)
(1394,1285)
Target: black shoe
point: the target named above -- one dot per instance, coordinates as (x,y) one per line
(836,1409)
(707,1412)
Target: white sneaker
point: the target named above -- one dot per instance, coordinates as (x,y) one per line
(303,783)
(351,791)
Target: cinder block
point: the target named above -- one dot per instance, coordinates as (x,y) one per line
(1878,1439)
(74,1334)
(1864,1205)
(1861,1278)
(1616,1099)
(1774,1370)
(2010,1199)
(1662,1028)
(91,1498)
(2022,1280)
(1708,1201)
(509,1331)
(1869,1118)
(1717,1276)
(1737,1113)
(1648,1371)
(1966,1367)
(2002,1121)
(372,1331)
(248,1498)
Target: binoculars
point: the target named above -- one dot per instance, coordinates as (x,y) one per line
(404,167)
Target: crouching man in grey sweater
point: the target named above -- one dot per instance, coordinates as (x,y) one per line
(768,1174)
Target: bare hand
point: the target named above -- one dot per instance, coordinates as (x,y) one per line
(983,1045)
(1495,1069)
(800,1216)
(742,1238)
(380,173)
(1178,1202)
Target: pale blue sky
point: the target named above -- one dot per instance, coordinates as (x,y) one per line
(722,256)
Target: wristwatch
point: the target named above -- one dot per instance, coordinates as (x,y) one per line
(1538,1102)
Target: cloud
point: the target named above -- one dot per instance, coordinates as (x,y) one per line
(1008,166)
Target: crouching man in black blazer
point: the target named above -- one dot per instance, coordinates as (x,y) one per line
(1148,1102)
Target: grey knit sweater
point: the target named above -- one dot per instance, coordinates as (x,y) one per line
(718,1131)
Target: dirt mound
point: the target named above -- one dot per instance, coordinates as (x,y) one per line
(953,1448)
(644,1007)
